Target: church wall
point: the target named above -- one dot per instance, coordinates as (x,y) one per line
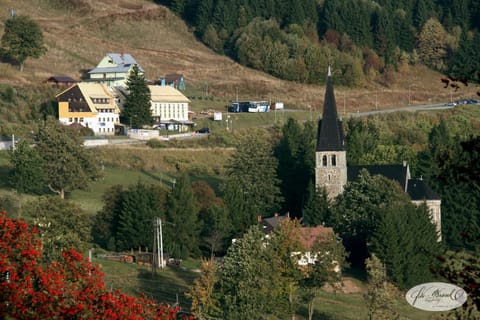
(331,171)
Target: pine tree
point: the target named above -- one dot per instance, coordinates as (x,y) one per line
(182,224)
(406,240)
(137,108)
(384,36)
(252,178)
(140,204)
(316,210)
(203,17)
(466,60)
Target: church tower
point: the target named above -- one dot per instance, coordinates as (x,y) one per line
(330,154)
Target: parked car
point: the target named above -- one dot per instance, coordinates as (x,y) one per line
(203,130)
(451,104)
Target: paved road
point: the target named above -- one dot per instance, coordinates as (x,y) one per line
(438,106)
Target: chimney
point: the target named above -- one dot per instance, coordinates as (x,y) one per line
(259,218)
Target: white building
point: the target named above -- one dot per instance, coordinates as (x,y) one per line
(170,108)
(91,105)
(114,69)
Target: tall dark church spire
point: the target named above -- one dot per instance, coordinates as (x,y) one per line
(330,129)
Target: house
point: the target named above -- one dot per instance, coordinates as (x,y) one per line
(114,70)
(308,236)
(61,81)
(170,108)
(173,80)
(269,224)
(91,105)
(332,172)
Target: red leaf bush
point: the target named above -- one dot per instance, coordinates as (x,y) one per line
(71,288)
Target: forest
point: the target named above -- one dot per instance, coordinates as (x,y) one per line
(365,40)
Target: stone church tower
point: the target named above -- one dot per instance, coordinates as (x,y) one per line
(330,155)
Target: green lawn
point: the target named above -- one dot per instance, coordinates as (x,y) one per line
(91,199)
(168,285)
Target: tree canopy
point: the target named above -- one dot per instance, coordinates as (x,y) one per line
(58,160)
(22,39)
(252,187)
(62,224)
(68,288)
(137,108)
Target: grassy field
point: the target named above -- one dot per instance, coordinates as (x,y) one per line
(170,285)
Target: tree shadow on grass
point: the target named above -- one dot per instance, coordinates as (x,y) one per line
(303,311)
(167,286)
(4,179)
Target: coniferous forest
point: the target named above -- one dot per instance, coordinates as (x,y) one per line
(296,40)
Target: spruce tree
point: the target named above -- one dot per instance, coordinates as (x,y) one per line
(140,205)
(295,156)
(252,175)
(182,226)
(406,240)
(316,210)
(137,108)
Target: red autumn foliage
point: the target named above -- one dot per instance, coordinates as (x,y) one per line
(72,288)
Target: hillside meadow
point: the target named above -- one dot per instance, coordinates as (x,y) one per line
(79,33)
(205,160)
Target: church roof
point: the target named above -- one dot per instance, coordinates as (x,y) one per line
(418,190)
(396,172)
(330,129)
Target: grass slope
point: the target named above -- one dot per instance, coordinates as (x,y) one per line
(79,33)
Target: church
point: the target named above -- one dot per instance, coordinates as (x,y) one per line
(332,172)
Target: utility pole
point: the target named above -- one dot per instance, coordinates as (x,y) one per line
(154,269)
(157,252)
(161,242)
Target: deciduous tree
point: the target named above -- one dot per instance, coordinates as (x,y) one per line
(330,258)
(204,301)
(380,296)
(359,207)
(433,44)
(69,288)
(66,165)
(22,38)
(26,174)
(62,225)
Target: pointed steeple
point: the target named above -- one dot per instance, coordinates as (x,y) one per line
(330,129)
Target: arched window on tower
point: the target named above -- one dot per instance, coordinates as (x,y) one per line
(324,161)
(334,160)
